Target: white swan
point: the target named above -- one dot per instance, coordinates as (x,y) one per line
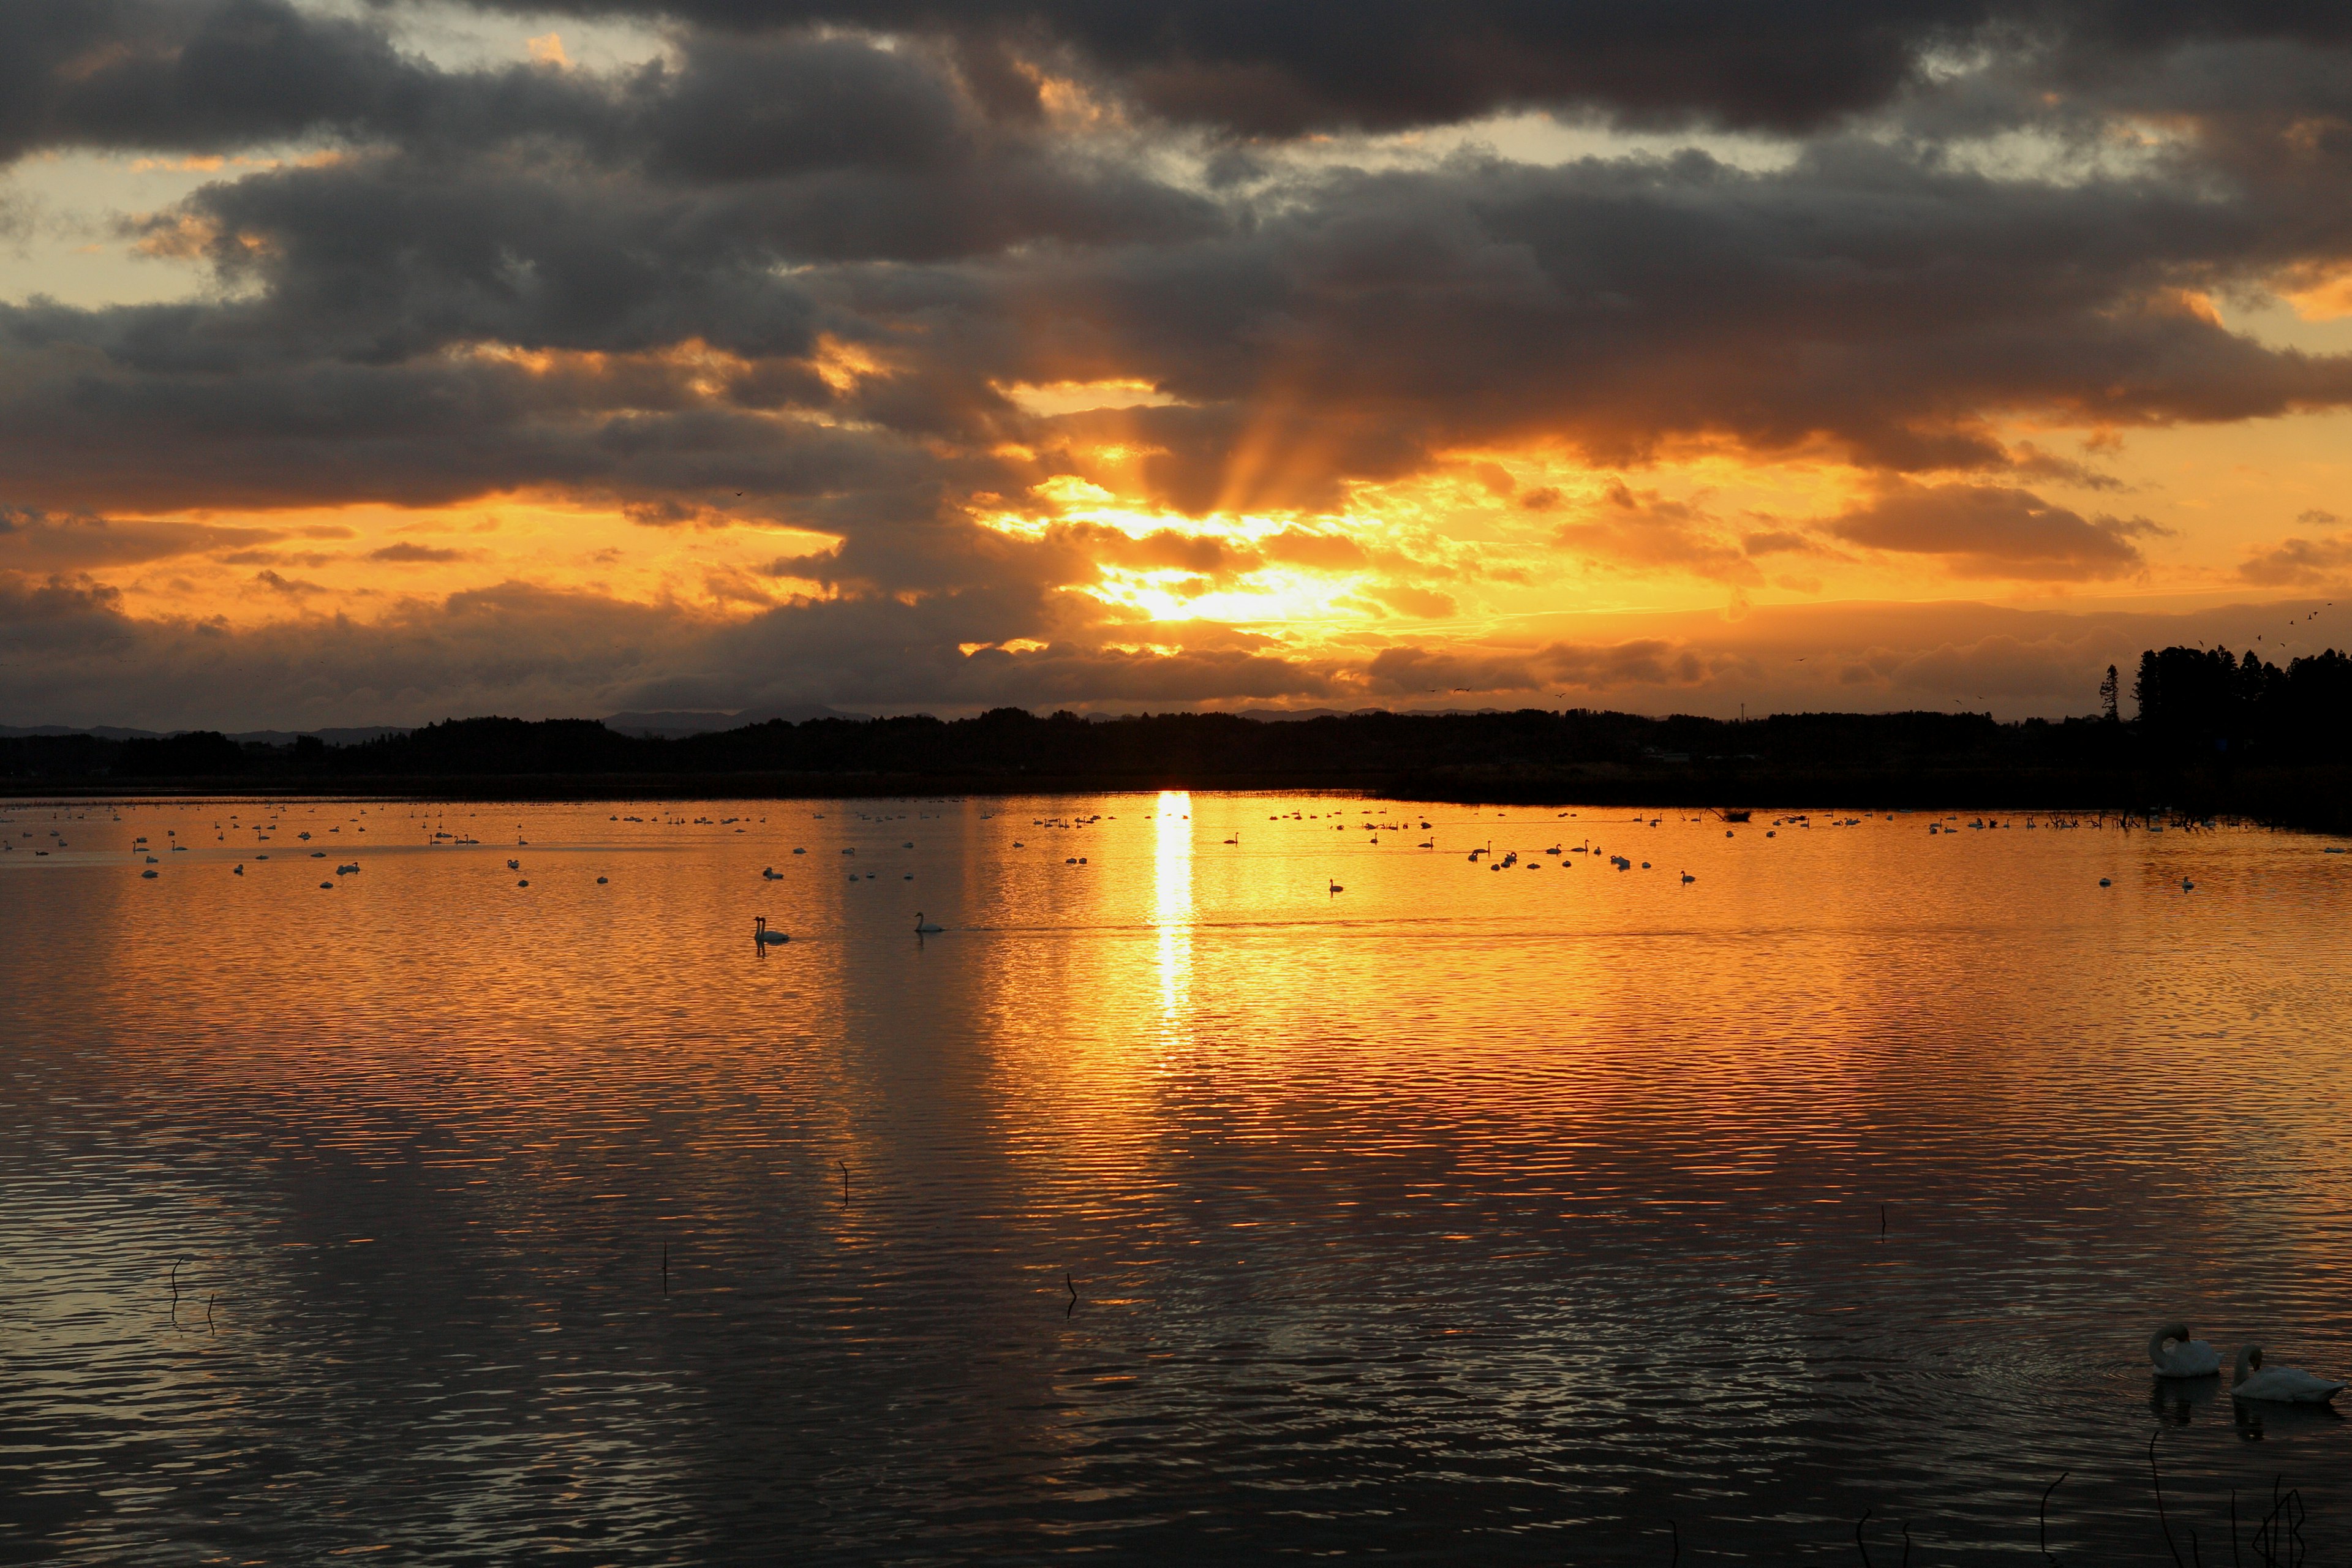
(2283,1384)
(923,926)
(761,935)
(2177,1355)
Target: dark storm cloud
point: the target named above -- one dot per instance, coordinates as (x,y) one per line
(1860,299)
(37,609)
(32,541)
(786,272)
(1993,530)
(2303,562)
(511,647)
(730,153)
(66,651)
(1282,67)
(218,76)
(1409,671)
(155,73)
(1349,326)
(673,219)
(760,107)
(164,407)
(409,552)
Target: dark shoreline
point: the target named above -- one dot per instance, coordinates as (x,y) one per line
(2263,744)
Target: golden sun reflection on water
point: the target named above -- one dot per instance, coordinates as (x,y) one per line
(1172,912)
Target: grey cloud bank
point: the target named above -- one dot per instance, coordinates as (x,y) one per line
(485,281)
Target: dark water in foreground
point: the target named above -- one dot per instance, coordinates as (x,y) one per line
(1459,1215)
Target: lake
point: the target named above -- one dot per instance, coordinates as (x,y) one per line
(1232,1178)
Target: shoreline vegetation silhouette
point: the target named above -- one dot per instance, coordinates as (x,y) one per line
(2214,734)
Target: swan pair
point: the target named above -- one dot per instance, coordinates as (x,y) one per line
(2177,1355)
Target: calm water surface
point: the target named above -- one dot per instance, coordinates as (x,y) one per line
(1461,1214)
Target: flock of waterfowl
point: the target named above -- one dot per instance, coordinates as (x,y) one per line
(1386,821)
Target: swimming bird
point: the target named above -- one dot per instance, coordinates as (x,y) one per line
(2177,1355)
(2281,1385)
(923,926)
(2187,886)
(762,936)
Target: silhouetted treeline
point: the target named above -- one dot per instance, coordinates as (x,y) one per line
(2216,733)
(1012,745)
(2193,700)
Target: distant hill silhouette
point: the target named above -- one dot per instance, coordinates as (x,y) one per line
(693,721)
(348,736)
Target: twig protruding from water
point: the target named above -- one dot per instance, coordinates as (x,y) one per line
(2157,1481)
(2286,1511)
(2043,1518)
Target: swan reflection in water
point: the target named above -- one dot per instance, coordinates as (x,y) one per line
(2257,1419)
(2173,1401)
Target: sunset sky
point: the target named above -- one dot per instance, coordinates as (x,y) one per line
(369,362)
